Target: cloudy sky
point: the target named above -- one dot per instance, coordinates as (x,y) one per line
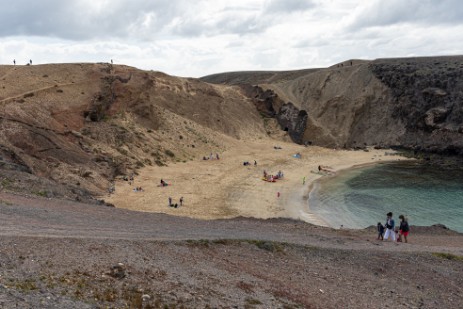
(200,37)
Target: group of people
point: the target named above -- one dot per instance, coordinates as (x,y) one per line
(272,178)
(29,63)
(247,163)
(399,233)
(211,157)
(138,189)
(175,205)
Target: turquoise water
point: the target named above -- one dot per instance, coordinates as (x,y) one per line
(361,197)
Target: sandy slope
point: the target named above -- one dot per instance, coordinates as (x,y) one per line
(225,188)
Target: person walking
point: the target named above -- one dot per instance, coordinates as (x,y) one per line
(14,61)
(170,201)
(390,224)
(303,180)
(404,228)
(380,229)
(181,201)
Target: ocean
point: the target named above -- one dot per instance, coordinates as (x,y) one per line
(360,197)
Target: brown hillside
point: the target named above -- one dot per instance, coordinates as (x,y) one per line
(69,129)
(413,103)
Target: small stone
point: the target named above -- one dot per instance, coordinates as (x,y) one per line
(145,297)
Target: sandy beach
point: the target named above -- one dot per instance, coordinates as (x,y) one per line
(225,188)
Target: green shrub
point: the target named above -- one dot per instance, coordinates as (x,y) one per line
(169,153)
(448,256)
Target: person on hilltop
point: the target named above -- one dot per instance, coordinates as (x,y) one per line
(390,224)
(404,228)
(14,61)
(30,61)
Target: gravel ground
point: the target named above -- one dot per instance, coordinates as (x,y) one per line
(61,254)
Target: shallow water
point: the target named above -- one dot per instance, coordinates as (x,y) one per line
(361,197)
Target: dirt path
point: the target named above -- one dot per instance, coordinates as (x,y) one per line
(40,217)
(21,95)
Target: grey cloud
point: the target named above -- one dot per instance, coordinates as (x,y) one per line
(227,21)
(138,19)
(80,20)
(241,20)
(426,12)
(237,25)
(288,6)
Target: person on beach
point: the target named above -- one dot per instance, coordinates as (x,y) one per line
(390,224)
(404,228)
(181,201)
(303,180)
(170,201)
(255,163)
(380,229)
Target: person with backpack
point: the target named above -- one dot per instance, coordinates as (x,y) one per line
(404,228)
(390,224)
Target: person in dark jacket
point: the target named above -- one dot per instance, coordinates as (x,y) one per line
(380,228)
(404,228)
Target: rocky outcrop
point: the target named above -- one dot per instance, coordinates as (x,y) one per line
(269,104)
(427,97)
(293,120)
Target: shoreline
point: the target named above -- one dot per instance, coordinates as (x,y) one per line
(317,183)
(331,208)
(222,189)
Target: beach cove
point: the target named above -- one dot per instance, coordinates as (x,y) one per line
(225,188)
(426,194)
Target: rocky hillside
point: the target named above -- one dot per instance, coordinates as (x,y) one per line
(413,103)
(69,129)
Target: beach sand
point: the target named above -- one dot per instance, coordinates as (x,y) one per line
(224,188)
